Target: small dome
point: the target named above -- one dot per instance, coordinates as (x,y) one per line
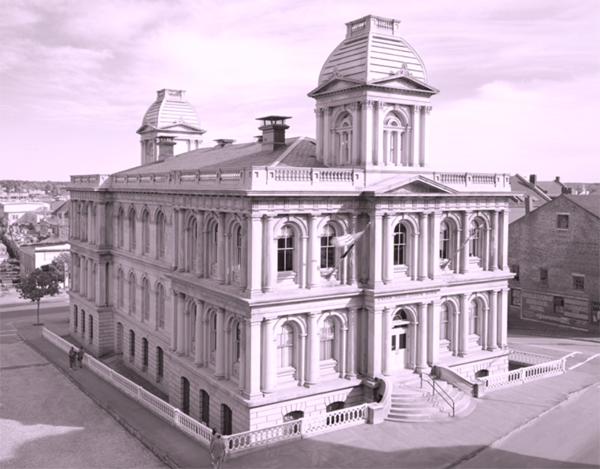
(372,50)
(171,108)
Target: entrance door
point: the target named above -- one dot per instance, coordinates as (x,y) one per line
(400,335)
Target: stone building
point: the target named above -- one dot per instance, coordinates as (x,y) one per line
(554,253)
(227,276)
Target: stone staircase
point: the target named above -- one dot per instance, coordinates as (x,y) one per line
(410,403)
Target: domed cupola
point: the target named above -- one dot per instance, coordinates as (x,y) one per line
(170,126)
(373,100)
(373,50)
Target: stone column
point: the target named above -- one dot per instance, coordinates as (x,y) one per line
(367,132)
(252,347)
(300,372)
(101,288)
(422,343)
(494,242)
(464,326)
(433,310)
(199,268)
(388,261)
(220,359)
(198,358)
(414,264)
(493,322)
(173,330)
(176,231)
(269,371)
(374,343)
(387,346)
(221,250)
(183,230)
(503,230)
(503,319)
(434,236)
(319,136)
(254,255)
(269,258)
(314,360)
(375,234)
(352,338)
(302,260)
(355,133)
(313,253)
(423,246)
(342,362)
(425,110)
(101,222)
(416,132)
(455,345)
(379,111)
(327,135)
(244,259)
(464,251)
(484,328)
(352,256)
(242,377)
(181,325)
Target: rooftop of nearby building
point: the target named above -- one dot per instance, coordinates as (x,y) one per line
(590,202)
(171,108)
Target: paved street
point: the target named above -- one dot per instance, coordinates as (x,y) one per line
(45,420)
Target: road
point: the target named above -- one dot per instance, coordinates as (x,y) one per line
(566,436)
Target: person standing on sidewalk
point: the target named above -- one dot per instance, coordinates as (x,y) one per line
(217,449)
(72,359)
(80,354)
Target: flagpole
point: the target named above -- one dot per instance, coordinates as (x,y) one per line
(335,268)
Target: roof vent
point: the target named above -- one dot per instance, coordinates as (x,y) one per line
(273,132)
(221,142)
(533,178)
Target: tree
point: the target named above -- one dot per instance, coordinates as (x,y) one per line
(37,285)
(62,265)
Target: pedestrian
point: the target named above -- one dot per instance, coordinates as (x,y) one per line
(217,449)
(80,353)
(72,358)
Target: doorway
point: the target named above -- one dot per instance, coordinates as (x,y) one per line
(400,340)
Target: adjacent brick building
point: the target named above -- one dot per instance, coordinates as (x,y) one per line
(555,254)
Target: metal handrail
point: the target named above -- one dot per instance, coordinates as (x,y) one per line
(443,394)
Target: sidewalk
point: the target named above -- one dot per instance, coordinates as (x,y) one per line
(389,444)
(11,298)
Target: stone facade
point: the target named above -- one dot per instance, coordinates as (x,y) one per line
(256,283)
(555,250)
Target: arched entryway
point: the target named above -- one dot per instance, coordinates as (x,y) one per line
(227,424)
(401,353)
(185,396)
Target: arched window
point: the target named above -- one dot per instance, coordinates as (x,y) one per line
(82,323)
(474,318)
(327,248)
(327,339)
(145,300)
(185,395)
(160,234)
(213,338)
(132,293)
(343,140)
(131,345)
(144,354)
(159,364)
(92,234)
(160,306)
(84,223)
(75,318)
(132,230)
(400,246)
(392,140)
(204,407)
(444,241)
(91,318)
(213,249)
(120,288)
(145,232)
(237,249)
(476,239)
(237,344)
(285,250)
(285,347)
(444,330)
(120,228)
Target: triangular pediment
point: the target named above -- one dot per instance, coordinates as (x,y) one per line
(416,185)
(404,82)
(175,127)
(337,83)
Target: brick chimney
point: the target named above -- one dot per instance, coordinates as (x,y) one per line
(273,132)
(527,205)
(533,179)
(165,147)
(557,179)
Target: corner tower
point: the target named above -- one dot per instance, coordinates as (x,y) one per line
(170,123)
(373,100)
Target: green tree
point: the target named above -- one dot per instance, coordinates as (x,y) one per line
(62,265)
(37,285)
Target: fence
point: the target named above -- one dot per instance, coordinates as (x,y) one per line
(236,443)
(528,373)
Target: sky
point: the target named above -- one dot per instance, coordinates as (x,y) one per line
(519,80)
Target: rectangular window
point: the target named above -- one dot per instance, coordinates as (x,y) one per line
(562,222)
(515,297)
(578,282)
(402,341)
(515,270)
(544,277)
(559,304)
(394,342)
(285,252)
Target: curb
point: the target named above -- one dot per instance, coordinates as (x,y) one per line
(469,456)
(158,452)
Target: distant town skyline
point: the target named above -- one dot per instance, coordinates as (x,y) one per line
(518,80)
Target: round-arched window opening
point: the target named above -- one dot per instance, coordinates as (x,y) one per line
(482,373)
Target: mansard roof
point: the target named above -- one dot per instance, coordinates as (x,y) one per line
(298,152)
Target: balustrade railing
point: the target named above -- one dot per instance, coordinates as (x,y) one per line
(528,358)
(527,373)
(234,443)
